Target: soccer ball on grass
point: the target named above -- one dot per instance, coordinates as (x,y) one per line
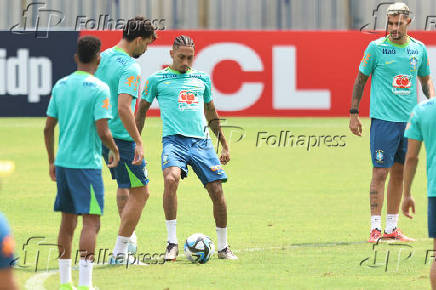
(199,248)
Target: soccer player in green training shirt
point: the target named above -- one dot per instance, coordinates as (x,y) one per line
(119,69)
(185,102)
(80,103)
(395,62)
(421,128)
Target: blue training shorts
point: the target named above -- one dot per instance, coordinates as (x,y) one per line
(80,191)
(180,151)
(431,217)
(388,144)
(127,174)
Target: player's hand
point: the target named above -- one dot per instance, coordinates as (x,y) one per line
(225,156)
(52,171)
(355,125)
(139,154)
(408,203)
(113,158)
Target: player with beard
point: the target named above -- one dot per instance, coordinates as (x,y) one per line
(395,63)
(119,69)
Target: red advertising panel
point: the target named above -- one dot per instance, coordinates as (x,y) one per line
(273,73)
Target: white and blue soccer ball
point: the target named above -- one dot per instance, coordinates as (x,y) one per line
(199,248)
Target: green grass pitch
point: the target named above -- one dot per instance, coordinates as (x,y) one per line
(298,218)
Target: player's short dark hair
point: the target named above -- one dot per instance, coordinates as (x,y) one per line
(138,26)
(183,40)
(87,48)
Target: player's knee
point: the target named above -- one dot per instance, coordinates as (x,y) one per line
(379,175)
(68,226)
(91,223)
(171,180)
(216,192)
(397,173)
(146,194)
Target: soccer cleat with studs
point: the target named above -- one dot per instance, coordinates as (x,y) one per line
(397,235)
(171,252)
(226,253)
(375,236)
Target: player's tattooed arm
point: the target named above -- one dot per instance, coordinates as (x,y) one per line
(141,114)
(427,86)
(215,125)
(359,86)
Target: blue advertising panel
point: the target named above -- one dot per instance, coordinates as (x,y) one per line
(29,67)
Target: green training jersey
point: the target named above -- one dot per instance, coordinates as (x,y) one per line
(77,101)
(394,69)
(181,98)
(421,127)
(122,74)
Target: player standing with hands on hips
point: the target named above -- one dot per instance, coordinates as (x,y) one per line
(395,63)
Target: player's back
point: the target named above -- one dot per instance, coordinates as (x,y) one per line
(122,74)
(75,99)
(421,127)
(426,112)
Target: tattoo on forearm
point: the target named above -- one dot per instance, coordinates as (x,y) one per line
(372,192)
(359,86)
(140,119)
(215,126)
(426,90)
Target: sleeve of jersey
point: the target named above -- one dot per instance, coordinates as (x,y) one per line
(52,110)
(367,64)
(207,90)
(7,245)
(413,128)
(424,68)
(150,91)
(102,107)
(130,80)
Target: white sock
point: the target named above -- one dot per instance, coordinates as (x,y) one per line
(375,222)
(121,247)
(391,222)
(171,228)
(133,238)
(222,238)
(85,273)
(65,270)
